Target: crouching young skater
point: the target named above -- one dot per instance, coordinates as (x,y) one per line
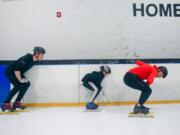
(141,78)
(15,74)
(92,81)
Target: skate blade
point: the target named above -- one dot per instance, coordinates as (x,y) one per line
(89,110)
(9,113)
(141,115)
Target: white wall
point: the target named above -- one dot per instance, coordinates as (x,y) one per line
(53,84)
(61,83)
(87,29)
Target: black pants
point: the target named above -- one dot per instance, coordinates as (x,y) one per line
(96,91)
(133,81)
(18,87)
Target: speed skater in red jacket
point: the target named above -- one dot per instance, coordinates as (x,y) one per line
(141,77)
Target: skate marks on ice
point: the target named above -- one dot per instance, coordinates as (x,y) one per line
(13,112)
(18,111)
(8,113)
(141,115)
(89,110)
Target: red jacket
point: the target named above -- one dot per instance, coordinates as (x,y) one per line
(145,71)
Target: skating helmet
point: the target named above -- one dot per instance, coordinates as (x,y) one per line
(106,69)
(164,70)
(39,50)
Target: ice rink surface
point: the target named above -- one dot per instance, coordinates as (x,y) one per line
(74,121)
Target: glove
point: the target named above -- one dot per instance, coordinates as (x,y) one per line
(24,80)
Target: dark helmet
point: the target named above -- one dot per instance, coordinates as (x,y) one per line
(39,50)
(164,70)
(106,69)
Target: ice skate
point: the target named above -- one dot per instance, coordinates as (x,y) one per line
(92,107)
(141,111)
(18,105)
(7,106)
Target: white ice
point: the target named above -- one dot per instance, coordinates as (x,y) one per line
(110,121)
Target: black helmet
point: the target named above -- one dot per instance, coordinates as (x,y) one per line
(106,69)
(164,70)
(39,50)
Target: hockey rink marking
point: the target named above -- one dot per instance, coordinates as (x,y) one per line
(115,103)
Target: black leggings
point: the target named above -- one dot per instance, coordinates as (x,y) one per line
(133,81)
(18,87)
(95,90)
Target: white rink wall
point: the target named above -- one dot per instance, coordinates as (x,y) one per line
(61,84)
(88,29)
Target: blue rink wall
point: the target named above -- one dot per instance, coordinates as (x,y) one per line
(4,84)
(58,83)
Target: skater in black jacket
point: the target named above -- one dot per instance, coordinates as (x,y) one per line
(92,81)
(15,74)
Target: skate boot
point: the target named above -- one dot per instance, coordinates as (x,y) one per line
(18,105)
(7,106)
(140,109)
(145,107)
(91,106)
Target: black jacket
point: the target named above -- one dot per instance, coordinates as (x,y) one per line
(94,77)
(22,64)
